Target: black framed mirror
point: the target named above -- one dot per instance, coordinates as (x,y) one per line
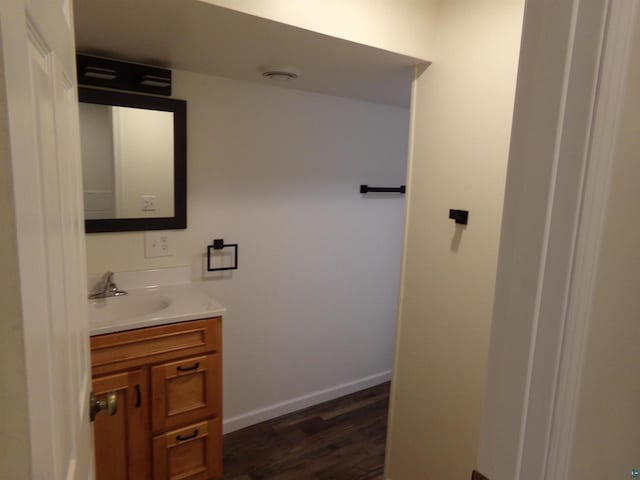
(134,158)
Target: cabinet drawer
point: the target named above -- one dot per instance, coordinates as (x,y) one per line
(190,453)
(185,391)
(124,350)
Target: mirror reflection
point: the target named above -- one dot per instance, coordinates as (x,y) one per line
(128,162)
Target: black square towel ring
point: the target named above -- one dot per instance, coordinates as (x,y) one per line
(218,244)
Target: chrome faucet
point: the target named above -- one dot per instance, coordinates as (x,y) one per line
(106,288)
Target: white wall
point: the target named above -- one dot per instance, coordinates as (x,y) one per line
(143,159)
(463,105)
(15,451)
(126,153)
(313,305)
(607,434)
(400,26)
(96,144)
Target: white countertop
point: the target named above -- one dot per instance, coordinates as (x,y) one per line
(149,306)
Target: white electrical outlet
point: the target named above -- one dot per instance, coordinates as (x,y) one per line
(148,203)
(156,244)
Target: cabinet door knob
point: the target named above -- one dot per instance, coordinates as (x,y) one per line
(108,403)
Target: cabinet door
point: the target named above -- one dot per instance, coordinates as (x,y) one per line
(185,391)
(122,441)
(190,453)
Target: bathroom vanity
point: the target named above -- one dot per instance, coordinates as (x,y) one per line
(156,358)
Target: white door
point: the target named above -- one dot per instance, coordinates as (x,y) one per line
(39,67)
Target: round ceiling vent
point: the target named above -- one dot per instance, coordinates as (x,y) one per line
(279,73)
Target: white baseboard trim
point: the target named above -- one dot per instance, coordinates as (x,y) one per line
(282,408)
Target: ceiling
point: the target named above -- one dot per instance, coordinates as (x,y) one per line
(200,37)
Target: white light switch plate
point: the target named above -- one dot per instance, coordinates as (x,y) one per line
(157,244)
(148,203)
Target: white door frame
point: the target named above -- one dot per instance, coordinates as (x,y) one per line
(573,64)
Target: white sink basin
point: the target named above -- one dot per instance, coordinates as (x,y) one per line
(150,306)
(123,308)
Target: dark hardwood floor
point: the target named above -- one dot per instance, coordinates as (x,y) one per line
(343,439)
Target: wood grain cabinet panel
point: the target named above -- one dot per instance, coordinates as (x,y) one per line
(185,391)
(168,381)
(189,453)
(122,449)
(133,348)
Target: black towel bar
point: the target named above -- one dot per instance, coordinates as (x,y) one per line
(367,189)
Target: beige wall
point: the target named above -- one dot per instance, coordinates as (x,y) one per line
(14,421)
(607,434)
(401,26)
(463,105)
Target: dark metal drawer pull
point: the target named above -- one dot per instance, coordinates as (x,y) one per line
(188,369)
(138,396)
(180,438)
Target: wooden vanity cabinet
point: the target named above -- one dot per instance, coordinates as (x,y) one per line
(168,382)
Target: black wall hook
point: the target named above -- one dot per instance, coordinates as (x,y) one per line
(460,216)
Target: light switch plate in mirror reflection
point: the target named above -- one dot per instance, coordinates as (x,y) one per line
(148,203)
